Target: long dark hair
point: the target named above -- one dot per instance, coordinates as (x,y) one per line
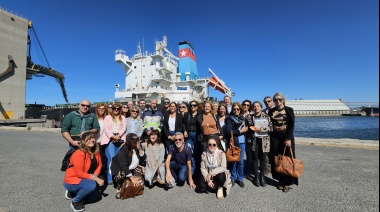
(131,142)
(86,136)
(218,143)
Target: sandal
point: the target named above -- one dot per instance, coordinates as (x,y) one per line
(286,189)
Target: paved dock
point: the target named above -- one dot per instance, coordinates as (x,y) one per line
(334,179)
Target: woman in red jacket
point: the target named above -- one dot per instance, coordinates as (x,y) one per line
(81,176)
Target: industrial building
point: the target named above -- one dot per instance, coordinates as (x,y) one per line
(13,48)
(318,107)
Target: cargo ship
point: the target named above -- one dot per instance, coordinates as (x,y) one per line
(161,74)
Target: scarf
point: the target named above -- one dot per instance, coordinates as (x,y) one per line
(83,118)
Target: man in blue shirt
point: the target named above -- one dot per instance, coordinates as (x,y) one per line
(178,162)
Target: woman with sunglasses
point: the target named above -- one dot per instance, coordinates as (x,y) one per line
(235,124)
(134,122)
(222,113)
(81,177)
(155,159)
(101,112)
(214,169)
(182,109)
(173,122)
(259,140)
(282,137)
(125,111)
(128,163)
(114,135)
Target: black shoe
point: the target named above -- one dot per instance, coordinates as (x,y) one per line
(262,181)
(256,182)
(233,184)
(240,183)
(69,195)
(77,206)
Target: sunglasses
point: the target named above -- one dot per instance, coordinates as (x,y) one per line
(236,109)
(182,107)
(101,108)
(214,145)
(83,105)
(280,100)
(177,139)
(194,105)
(116,108)
(166,103)
(268,101)
(246,105)
(135,111)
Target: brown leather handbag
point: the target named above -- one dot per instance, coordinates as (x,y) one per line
(128,190)
(233,152)
(288,165)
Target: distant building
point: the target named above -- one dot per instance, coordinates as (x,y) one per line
(318,107)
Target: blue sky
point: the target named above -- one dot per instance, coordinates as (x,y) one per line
(325,49)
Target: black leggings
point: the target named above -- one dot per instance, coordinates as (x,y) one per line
(259,155)
(218,181)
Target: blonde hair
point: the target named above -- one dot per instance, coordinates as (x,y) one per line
(282,96)
(135,107)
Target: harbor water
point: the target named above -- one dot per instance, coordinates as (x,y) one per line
(354,127)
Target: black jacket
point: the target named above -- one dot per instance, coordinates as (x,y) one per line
(289,122)
(232,125)
(122,161)
(179,124)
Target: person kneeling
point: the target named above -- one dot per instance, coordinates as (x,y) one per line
(177,170)
(129,163)
(81,177)
(214,168)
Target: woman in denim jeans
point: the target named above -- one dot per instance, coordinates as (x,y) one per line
(235,123)
(81,177)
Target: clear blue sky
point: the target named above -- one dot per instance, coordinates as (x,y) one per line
(325,49)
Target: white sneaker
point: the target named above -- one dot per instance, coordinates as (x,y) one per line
(219,193)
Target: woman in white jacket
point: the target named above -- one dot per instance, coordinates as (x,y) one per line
(214,168)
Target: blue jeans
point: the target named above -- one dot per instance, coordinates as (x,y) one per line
(179,172)
(237,168)
(85,190)
(110,151)
(191,142)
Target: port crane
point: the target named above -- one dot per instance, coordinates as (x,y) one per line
(37,70)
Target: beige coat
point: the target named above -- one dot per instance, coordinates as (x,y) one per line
(222,167)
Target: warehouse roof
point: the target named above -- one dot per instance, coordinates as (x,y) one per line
(333,104)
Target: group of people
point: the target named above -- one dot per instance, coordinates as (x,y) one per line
(176,143)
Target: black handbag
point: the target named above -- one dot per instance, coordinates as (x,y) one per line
(66,160)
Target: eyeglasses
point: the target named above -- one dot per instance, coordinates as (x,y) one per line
(177,139)
(101,108)
(214,145)
(246,105)
(135,111)
(182,107)
(236,109)
(116,108)
(280,100)
(194,105)
(268,101)
(166,103)
(83,105)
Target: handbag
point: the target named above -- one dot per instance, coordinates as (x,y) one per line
(288,165)
(128,190)
(233,152)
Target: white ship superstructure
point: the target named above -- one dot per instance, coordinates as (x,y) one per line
(157,75)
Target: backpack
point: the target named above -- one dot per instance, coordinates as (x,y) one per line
(66,160)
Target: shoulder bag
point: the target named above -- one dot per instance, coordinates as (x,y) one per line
(233,152)
(288,165)
(128,190)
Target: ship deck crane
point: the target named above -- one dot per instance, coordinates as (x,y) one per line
(40,70)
